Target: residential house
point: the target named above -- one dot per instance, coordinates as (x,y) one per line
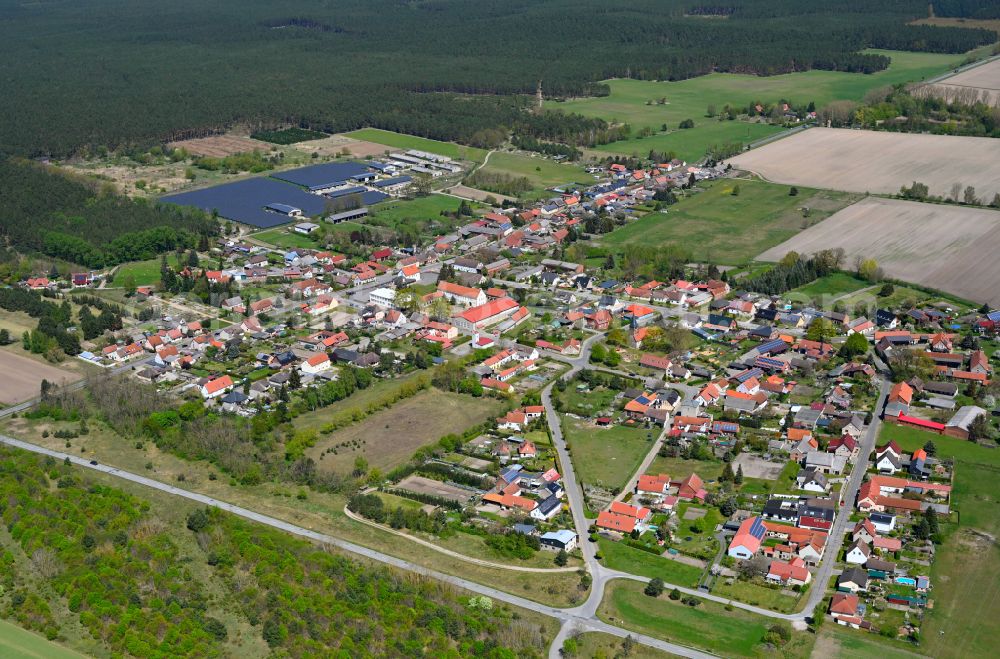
(747,541)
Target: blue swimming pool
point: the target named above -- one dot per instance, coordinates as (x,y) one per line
(906,581)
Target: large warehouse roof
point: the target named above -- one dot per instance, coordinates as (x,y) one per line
(327,175)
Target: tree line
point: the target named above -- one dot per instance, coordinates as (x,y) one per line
(470,88)
(43,210)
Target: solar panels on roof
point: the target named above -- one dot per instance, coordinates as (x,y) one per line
(773,346)
(396,180)
(327,175)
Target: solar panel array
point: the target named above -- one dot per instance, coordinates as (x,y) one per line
(244,201)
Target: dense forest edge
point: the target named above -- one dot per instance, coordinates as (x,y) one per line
(81,560)
(446,69)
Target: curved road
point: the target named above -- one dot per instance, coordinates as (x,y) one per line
(577,617)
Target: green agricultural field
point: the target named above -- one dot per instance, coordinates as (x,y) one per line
(964,620)
(605,456)
(689,99)
(839,283)
(542,172)
(619,556)
(285,237)
(708,626)
(17,643)
(401,141)
(723,228)
(839,641)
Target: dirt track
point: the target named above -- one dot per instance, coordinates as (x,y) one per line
(949,248)
(882,162)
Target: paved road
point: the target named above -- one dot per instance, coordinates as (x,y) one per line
(574,617)
(847,496)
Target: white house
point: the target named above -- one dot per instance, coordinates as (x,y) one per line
(217,387)
(383,297)
(316,364)
(858,553)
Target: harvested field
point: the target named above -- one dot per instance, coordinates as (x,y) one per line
(871,161)
(981,83)
(23,377)
(948,248)
(388,438)
(335,144)
(421,485)
(474,194)
(220,146)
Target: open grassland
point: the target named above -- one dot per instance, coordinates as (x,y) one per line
(542,172)
(220,146)
(599,644)
(689,99)
(947,248)
(707,627)
(720,227)
(284,237)
(401,141)
(689,144)
(421,215)
(619,556)
(390,437)
(880,162)
(982,82)
(966,595)
(839,641)
(835,285)
(605,456)
(17,643)
(679,468)
(320,511)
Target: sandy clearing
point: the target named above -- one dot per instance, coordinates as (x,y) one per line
(476,194)
(949,248)
(333,146)
(219,146)
(22,377)
(882,162)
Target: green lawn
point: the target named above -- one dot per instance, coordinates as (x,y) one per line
(965,619)
(145,273)
(756,594)
(542,172)
(605,456)
(689,99)
(401,141)
(422,215)
(833,285)
(690,144)
(619,556)
(17,643)
(708,626)
(285,238)
(587,403)
(730,229)
(599,644)
(858,644)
